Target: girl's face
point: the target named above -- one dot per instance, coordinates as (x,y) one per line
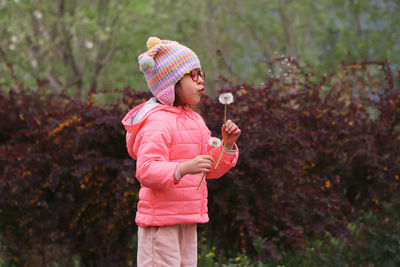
(190,88)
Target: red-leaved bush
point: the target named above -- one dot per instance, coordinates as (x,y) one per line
(66,180)
(315,150)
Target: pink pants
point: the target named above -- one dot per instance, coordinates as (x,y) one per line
(171,245)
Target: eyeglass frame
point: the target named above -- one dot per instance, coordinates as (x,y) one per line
(196,73)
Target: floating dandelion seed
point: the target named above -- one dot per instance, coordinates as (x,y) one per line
(38,14)
(213,142)
(89,44)
(34,63)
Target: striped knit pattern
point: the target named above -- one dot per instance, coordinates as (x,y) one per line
(172,61)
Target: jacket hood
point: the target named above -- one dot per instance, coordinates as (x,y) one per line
(134,119)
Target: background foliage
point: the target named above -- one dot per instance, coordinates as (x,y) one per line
(319,161)
(78,45)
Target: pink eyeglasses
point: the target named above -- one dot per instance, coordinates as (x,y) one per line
(196,73)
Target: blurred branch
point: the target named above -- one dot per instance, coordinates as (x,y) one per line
(10,69)
(266,48)
(208,29)
(107,49)
(228,67)
(68,53)
(288,28)
(356,18)
(36,52)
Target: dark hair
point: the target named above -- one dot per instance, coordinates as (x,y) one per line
(177,97)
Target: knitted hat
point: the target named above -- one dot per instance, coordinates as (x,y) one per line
(164,64)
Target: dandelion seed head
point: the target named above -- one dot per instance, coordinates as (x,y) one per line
(226,98)
(214,142)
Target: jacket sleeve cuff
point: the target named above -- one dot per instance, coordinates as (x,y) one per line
(231,152)
(178,175)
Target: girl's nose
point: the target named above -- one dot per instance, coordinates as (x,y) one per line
(200,80)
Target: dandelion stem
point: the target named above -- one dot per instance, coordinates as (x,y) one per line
(204,174)
(224,140)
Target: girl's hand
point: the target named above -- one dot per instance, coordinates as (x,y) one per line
(232,133)
(199,164)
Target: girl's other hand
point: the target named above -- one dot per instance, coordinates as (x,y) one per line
(232,133)
(199,164)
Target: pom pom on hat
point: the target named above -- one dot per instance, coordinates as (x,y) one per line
(146,60)
(152,42)
(146,63)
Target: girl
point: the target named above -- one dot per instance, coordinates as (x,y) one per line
(170,143)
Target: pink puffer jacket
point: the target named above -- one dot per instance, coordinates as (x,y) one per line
(159,137)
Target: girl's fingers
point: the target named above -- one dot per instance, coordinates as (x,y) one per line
(237,131)
(233,127)
(210,159)
(228,122)
(230,128)
(207,157)
(207,166)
